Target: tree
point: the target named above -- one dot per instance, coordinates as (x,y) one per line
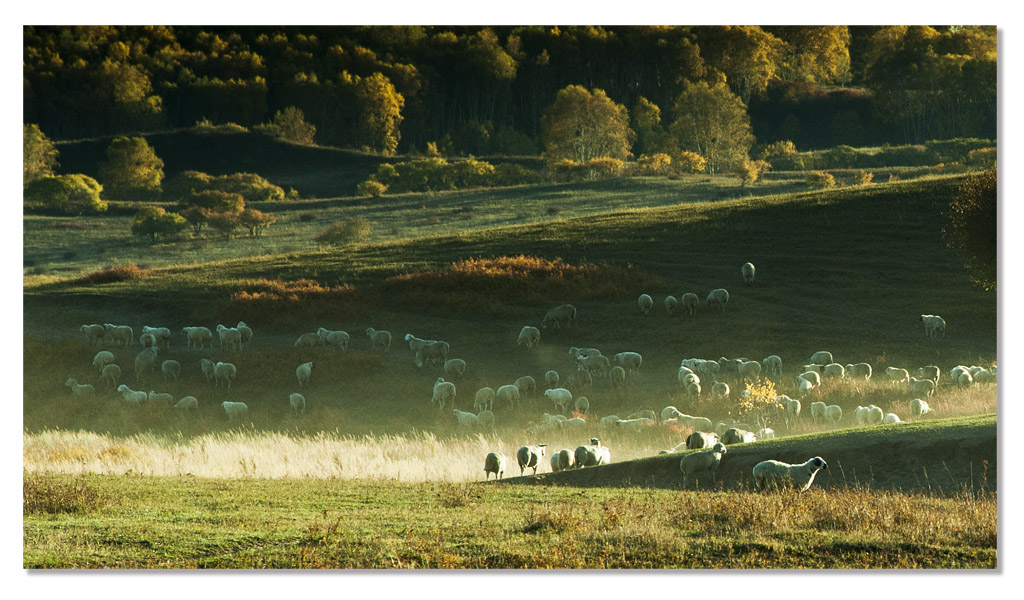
(216,201)
(651,137)
(197,216)
(815,53)
(747,55)
(132,170)
(40,154)
(66,194)
(380,113)
(290,125)
(713,122)
(582,125)
(972,227)
(255,221)
(154,221)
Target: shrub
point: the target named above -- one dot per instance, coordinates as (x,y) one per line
(791,162)
(371,188)
(842,157)
(255,221)
(351,230)
(183,185)
(567,169)
(216,201)
(751,170)
(224,222)
(249,186)
(690,162)
(289,125)
(132,170)
(655,164)
(983,157)
(906,156)
(864,177)
(43,494)
(154,221)
(780,148)
(958,149)
(114,274)
(512,174)
(820,180)
(605,167)
(66,194)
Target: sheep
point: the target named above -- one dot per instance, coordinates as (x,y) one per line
(454,367)
(297,402)
(483,399)
(833,414)
(964,381)
(891,418)
(875,415)
(582,405)
(593,455)
(933,324)
(444,392)
(333,339)
(380,341)
(575,425)
(630,361)
(527,386)
(919,408)
(172,368)
(563,460)
(707,370)
(561,397)
(80,390)
(634,425)
(432,352)
(225,372)
(110,374)
(507,393)
(833,371)
(811,376)
(155,397)
(197,337)
(246,332)
(306,340)
(583,353)
(765,433)
(821,357)
(897,375)
(596,366)
(955,372)
(494,462)
(551,379)
(645,302)
(930,372)
(565,313)
(102,359)
(818,411)
(608,421)
(144,361)
(671,304)
(95,333)
(485,419)
(669,412)
(617,376)
(730,366)
(234,409)
(720,390)
(529,456)
(984,377)
(131,396)
(792,408)
(773,474)
(860,415)
(415,343)
(718,297)
(187,403)
(772,365)
(161,335)
(698,440)
(748,271)
(859,370)
(303,372)
(689,300)
(706,461)
(921,387)
(207,367)
(685,377)
(119,334)
(644,414)
(233,337)
(529,335)
(750,370)
(147,340)
(734,435)
(803,386)
(465,419)
(702,424)
(580,381)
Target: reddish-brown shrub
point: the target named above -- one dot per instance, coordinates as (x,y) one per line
(115,273)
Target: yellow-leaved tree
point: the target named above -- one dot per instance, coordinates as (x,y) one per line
(582,126)
(712,121)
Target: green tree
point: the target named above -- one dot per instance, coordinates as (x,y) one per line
(815,53)
(216,201)
(40,154)
(132,170)
(197,216)
(582,125)
(380,113)
(66,194)
(713,122)
(972,227)
(154,221)
(651,137)
(255,221)
(290,124)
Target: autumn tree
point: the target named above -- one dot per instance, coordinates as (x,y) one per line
(972,227)
(154,221)
(747,55)
(39,156)
(380,114)
(132,170)
(66,194)
(582,126)
(290,125)
(651,137)
(255,221)
(713,122)
(814,53)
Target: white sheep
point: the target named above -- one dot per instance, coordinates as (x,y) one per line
(964,380)
(582,405)
(465,419)
(803,386)
(930,372)
(812,376)
(875,415)
(334,339)
(956,372)
(671,304)
(161,398)
(635,425)
(735,435)
(933,324)
(303,372)
(630,361)
(596,366)
(765,433)
(145,361)
(701,424)
(82,390)
(102,359)
(574,425)
(897,375)
(818,411)
(529,335)
(161,335)
(224,372)
(119,334)
(110,374)
(699,439)
(507,394)
(432,352)
(306,340)
(454,367)
(234,409)
(583,353)
(147,340)
(592,455)
(529,456)
(748,271)
(246,332)
(774,474)
(207,367)
(750,370)
(772,365)
(563,460)
(580,381)
(821,357)
(833,414)
(705,461)
(187,403)
(197,337)
(617,376)
(527,386)
(561,397)
(565,313)
(608,421)
(485,419)
(833,371)
(95,333)
(860,415)
(171,368)
(891,418)
(645,302)
(444,392)
(297,402)
(380,340)
(685,377)
(131,396)
(859,371)
(551,379)
(718,297)
(919,408)
(669,412)
(921,387)
(494,463)
(984,377)
(720,390)
(484,399)
(689,300)
(231,337)
(792,407)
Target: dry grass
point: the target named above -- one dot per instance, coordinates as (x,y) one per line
(114,274)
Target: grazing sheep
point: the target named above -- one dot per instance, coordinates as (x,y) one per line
(494,463)
(161,335)
(720,390)
(559,315)
(860,415)
(485,419)
(432,352)
(596,366)
(197,337)
(465,419)
(685,377)
(706,461)
(527,386)
(187,403)
(529,335)
(964,380)
(145,361)
(131,396)
(582,405)
(246,333)
(707,370)
(773,474)
(303,372)
(818,411)
(984,377)
(921,387)
(95,333)
(748,271)
(119,334)
(172,368)
(454,367)
(297,402)
(80,390)
(234,409)
(147,340)
(551,379)
(444,392)
(698,440)
(507,393)
(811,376)
(635,425)
(306,340)
(734,435)
(897,375)
(155,397)
(669,412)
(563,460)
(380,341)
(333,339)
(955,372)
(593,455)
(719,298)
(644,414)
(561,397)
(750,370)
(772,365)
(792,408)
(581,354)
(617,375)
(689,300)
(803,386)
(580,381)
(630,361)
(102,359)
(875,415)
(821,357)
(891,418)
(919,408)
(110,374)
(833,414)
(833,371)
(483,399)
(233,337)
(225,372)
(529,456)
(933,324)
(645,302)
(859,371)
(671,304)
(608,421)
(575,425)
(207,367)
(701,424)
(930,372)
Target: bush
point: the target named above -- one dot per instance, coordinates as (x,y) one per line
(751,170)
(224,222)
(820,180)
(66,194)
(507,174)
(605,167)
(780,148)
(691,162)
(374,189)
(567,169)
(216,201)
(114,273)
(906,156)
(958,149)
(864,177)
(154,221)
(249,186)
(43,494)
(843,157)
(655,164)
(349,231)
(255,221)
(289,125)
(983,157)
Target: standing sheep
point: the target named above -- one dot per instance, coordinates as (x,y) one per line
(380,341)
(333,339)
(617,375)
(919,408)
(773,474)
(582,405)
(484,399)
(207,367)
(630,361)
(720,390)
(234,409)
(772,365)
(303,372)
(671,304)
(245,333)
(719,298)
(444,392)
(232,337)
(561,397)
(833,414)
(529,335)
(306,340)
(95,333)
(171,368)
(593,455)
(859,371)
(563,460)
(551,379)
(454,367)
(821,357)
(80,390)
(187,403)
(119,334)
(494,463)
(527,386)
(565,313)
(465,419)
(645,302)
(507,393)
(110,374)
(818,411)
(699,439)
(197,337)
(734,435)
(297,402)
(748,271)
(529,456)
(706,461)
(102,359)
(933,324)
(224,372)
(689,300)
(921,387)
(145,361)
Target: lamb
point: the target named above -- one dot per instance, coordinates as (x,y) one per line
(444,392)
(144,361)
(110,374)
(930,372)
(582,405)
(380,341)
(818,411)
(750,370)
(919,408)
(551,379)
(119,334)
(303,372)
(891,418)
(561,397)
(465,419)
(698,440)
(485,419)
(859,370)
(197,337)
(225,372)
(933,324)
(706,461)
(772,365)
(155,397)
(95,333)
(773,474)
(734,435)
(171,368)
(689,300)
(529,335)
(897,375)
(527,386)
(833,413)
(297,402)
(432,352)
(634,425)
(483,399)
(233,337)
(833,371)
(821,357)
(645,302)
(507,393)
(921,387)
(207,367)
(559,315)
(593,455)
(234,409)
(246,333)
(131,396)
(630,361)
(720,390)
(333,339)
(748,271)
(306,340)
(454,367)
(563,460)
(718,297)
(617,375)
(494,463)
(529,456)
(80,390)
(671,304)
(187,403)
(102,359)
